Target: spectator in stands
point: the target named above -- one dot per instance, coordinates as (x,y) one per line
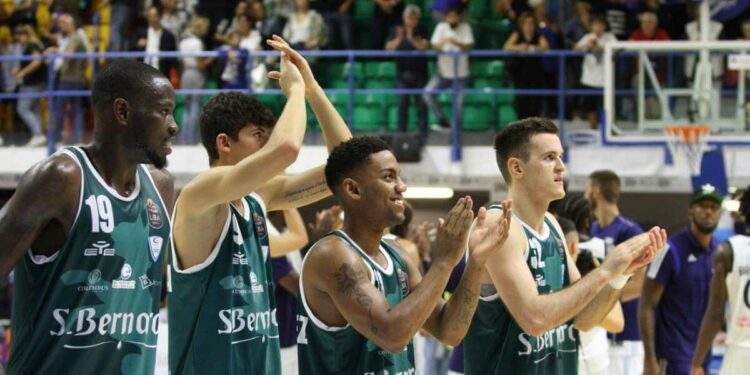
(593,67)
(386,15)
(266,25)
(693,33)
(675,291)
(8,82)
(411,72)
(525,71)
(281,8)
(71,76)
(173,19)
(249,37)
(121,13)
(512,8)
(228,25)
(451,35)
(305,30)
(649,31)
(338,17)
(618,17)
(155,39)
(234,75)
(577,26)
(193,77)
(671,16)
(32,76)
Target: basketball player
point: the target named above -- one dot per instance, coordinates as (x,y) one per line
(532,293)
(225,322)
(85,230)
(730,283)
(363,298)
(603,192)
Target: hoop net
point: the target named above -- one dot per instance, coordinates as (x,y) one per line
(687,143)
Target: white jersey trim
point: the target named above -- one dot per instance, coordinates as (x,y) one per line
(540,236)
(314,319)
(211,257)
(388,270)
(133,195)
(653,269)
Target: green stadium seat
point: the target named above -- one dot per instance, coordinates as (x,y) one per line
(380,70)
(411,123)
(477,117)
(364,9)
(368,118)
(380,83)
(505,115)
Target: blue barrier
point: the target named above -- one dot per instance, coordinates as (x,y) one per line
(561,91)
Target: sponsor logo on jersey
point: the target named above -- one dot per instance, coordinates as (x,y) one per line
(236,320)
(84,322)
(260,225)
(99,248)
(125,272)
(410,371)
(548,341)
(153,214)
(147,283)
(239,258)
(692,259)
(94,278)
(154,245)
(403,280)
(256,288)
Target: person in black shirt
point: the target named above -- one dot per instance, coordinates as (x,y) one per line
(338,17)
(387,15)
(411,72)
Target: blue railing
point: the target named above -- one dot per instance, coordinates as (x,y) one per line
(561,91)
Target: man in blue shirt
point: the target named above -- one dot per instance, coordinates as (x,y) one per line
(603,192)
(675,292)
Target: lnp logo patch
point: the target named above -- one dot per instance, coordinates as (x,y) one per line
(125,272)
(254,283)
(260,225)
(154,245)
(153,214)
(403,280)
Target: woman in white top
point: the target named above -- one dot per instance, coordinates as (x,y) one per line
(593,66)
(305,29)
(193,77)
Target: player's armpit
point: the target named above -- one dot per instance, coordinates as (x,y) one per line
(47,193)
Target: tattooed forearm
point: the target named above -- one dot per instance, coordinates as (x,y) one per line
(348,280)
(466,309)
(306,192)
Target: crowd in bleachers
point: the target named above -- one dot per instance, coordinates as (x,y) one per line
(235,29)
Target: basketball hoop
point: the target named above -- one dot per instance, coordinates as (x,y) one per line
(687,143)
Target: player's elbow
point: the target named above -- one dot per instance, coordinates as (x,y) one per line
(394,340)
(535,326)
(288,151)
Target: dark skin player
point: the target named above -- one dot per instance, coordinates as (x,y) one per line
(130,128)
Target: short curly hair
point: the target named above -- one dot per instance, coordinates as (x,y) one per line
(229,113)
(350,156)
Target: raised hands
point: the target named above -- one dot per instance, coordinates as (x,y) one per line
(453,232)
(635,253)
(488,235)
(326,221)
(289,76)
(279,44)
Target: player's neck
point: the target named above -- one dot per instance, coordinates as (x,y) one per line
(606,213)
(363,233)
(112,163)
(529,208)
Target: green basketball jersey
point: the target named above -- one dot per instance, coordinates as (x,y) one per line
(496,344)
(324,350)
(93,307)
(222,316)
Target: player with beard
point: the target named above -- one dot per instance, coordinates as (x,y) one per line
(532,292)
(363,298)
(85,230)
(675,291)
(730,283)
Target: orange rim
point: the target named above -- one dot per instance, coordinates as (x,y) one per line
(688,133)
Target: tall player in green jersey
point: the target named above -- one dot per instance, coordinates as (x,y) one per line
(86,231)
(222,316)
(362,298)
(532,294)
